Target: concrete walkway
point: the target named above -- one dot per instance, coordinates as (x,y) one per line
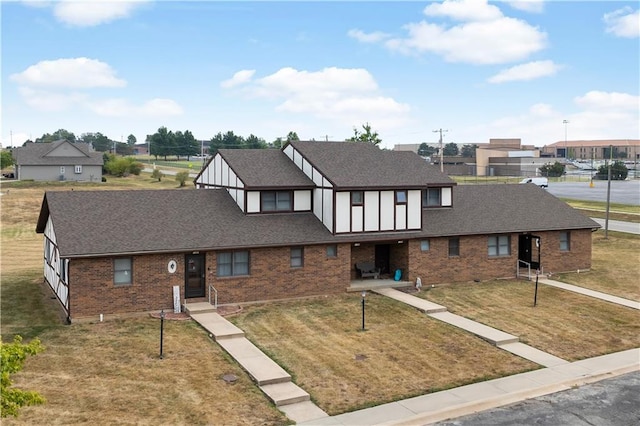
(272,379)
(434,407)
(591,293)
(494,336)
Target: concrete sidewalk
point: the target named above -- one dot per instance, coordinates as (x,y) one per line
(591,293)
(476,397)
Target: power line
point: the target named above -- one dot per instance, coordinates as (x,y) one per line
(441,148)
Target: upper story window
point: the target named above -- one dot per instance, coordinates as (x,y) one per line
(357,198)
(78,169)
(565,241)
(122,271)
(401,197)
(431,197)
(276,201)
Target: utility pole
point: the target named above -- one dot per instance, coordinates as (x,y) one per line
(441,148)
(606,221)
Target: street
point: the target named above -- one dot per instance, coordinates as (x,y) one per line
(622,192)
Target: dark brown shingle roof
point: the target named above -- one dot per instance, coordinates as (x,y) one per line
(110,222)
(364,165)
(265,168)
(491,209)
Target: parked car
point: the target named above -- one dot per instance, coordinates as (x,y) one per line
(542,182)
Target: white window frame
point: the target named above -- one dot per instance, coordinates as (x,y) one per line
(78,169)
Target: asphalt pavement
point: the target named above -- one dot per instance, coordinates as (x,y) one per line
(622,191)
(609,402)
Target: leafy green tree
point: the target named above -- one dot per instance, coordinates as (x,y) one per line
(276,143)
(131,140)
(99,141)
(6,159)
(450,149)
(12,357)
(56,136)
(124,149)
(552,170)
(254,142)
(618,171)
(181,178)
(468,150)
(367,136)
(162,143)
(292,136)
(425,150)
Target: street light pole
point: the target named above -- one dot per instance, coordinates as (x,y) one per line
(566,153)
(364,294)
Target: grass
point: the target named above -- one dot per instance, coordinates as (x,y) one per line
(615,267)
(405,352)
(624,212)
(565,324)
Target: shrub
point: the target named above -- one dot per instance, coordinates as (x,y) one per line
(157,174)
(181,178)
(12,357)
(552,170)
(618,171)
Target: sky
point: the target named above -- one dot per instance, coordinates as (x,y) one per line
(541,71)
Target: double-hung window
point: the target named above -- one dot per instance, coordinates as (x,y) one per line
(122,271)
(297,257)
(232,263)
(565,241)
(454,247)
(78,169)
(499,245)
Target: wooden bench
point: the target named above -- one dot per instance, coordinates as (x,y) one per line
(367,270)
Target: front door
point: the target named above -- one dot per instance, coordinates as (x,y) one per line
(526,250)
(194,285)
(382,258)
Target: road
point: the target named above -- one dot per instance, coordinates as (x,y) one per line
(620,226)
(610,402)
(623,192)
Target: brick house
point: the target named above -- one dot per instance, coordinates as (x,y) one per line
(278,224)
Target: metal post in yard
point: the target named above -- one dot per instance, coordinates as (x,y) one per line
(364,293)
(161,331)
(535,297)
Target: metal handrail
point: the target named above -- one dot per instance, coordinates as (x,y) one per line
(528,266)
(211,287)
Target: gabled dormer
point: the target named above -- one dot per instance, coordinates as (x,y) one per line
(259,180)
(361,188)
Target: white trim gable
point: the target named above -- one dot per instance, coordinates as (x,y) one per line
(56,270)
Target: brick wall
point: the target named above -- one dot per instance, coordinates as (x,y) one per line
(92,291)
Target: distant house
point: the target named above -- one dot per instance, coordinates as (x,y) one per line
(277,224)
(55,161)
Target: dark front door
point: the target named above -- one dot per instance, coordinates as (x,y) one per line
(529,250)
(194,285)
(382,258)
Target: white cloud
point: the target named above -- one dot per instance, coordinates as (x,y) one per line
(44,100)
(532,6)
(526,72)
(623,22)
(464,10)
(124,108)
(81,73)
(345,96)
(90,13)
(485,35)
(241,77)
(598,100)
(363,37)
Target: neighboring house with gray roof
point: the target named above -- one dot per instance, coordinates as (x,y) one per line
(276,224)
(56,161)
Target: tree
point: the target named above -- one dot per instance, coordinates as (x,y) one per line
(56,136)
(12,357)
(552,170)
(185,144)
(131,140)
(425,150)
(618,171)
(450,149)
(157,174)
(367,136)
(254,142)
(122,166)
(6,159)
(292,136)
(468,150)
(99,141)
(276,143)
(181,178)
(162,143)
